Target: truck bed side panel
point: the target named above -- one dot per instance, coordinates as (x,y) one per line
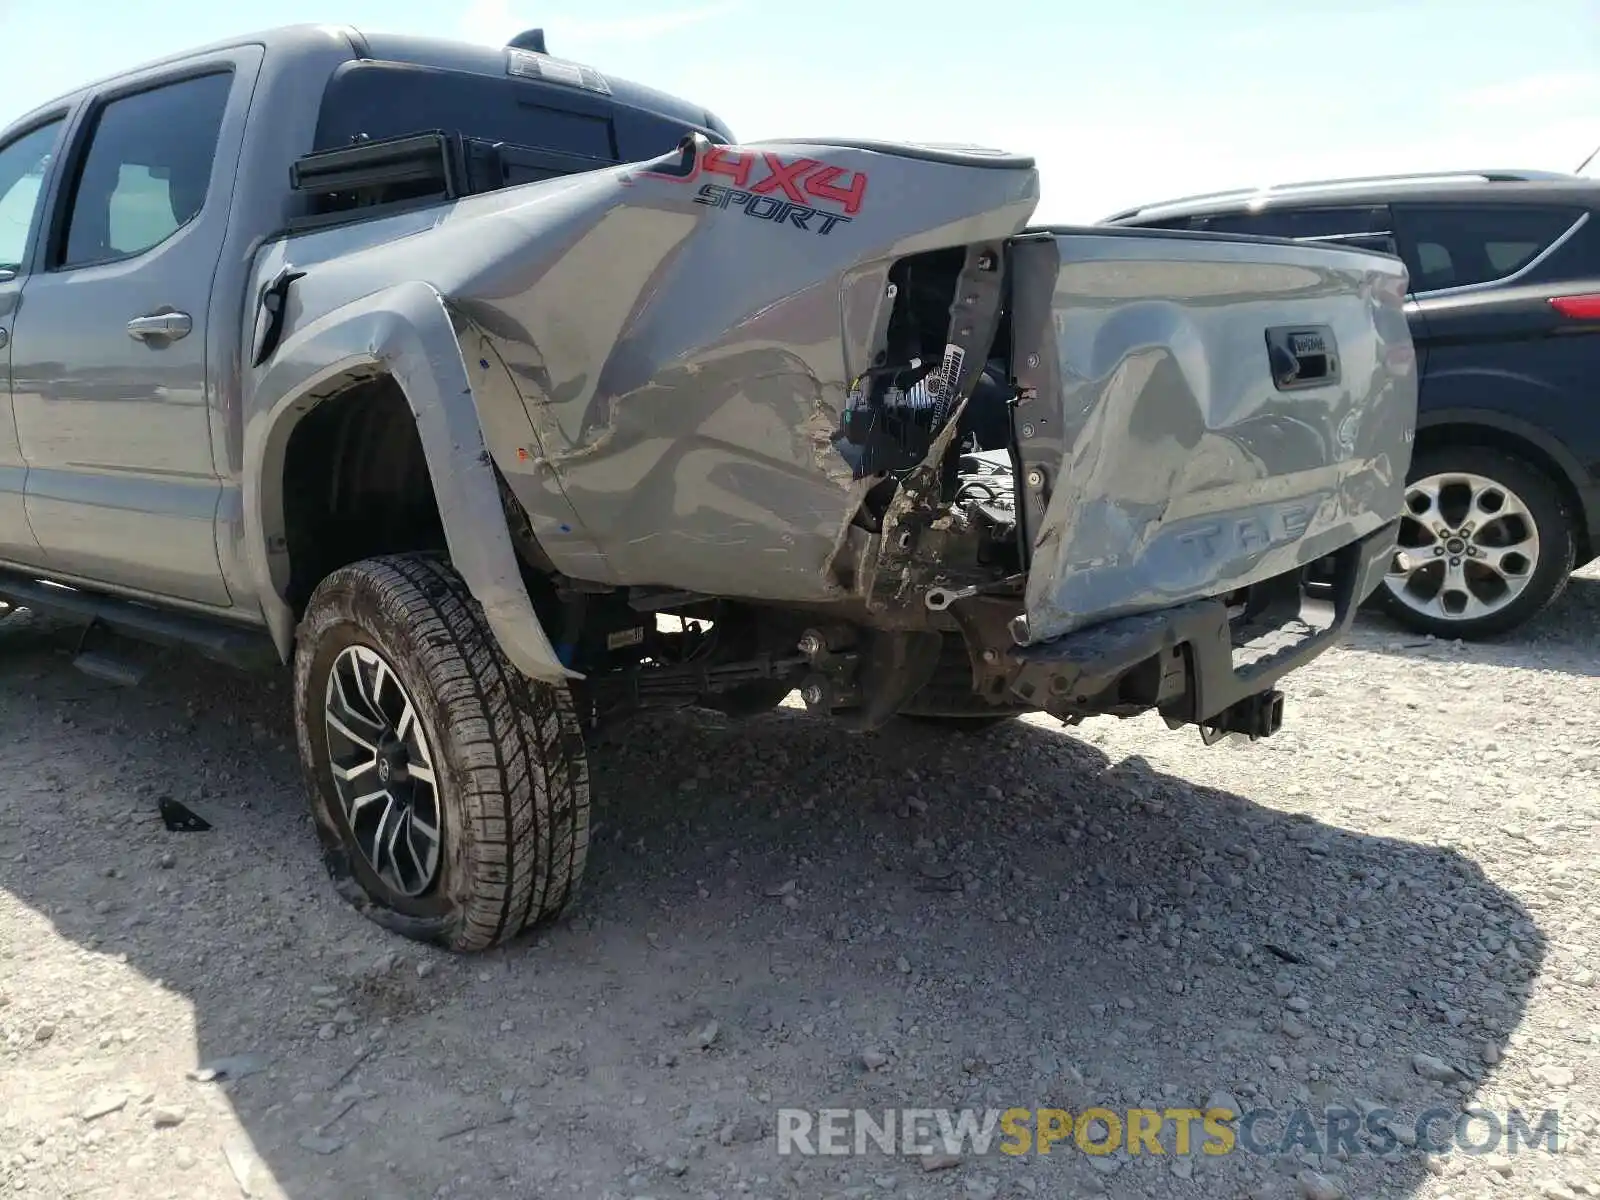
(678,349)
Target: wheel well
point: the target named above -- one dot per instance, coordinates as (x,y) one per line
(355,485)
(1435,437)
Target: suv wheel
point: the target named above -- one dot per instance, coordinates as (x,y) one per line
(450,792)
(1485,544)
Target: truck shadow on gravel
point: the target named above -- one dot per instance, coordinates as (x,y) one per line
(778,914)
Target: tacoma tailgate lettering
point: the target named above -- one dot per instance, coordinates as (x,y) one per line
(1249,533)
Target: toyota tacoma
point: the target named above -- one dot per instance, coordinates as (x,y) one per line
(503,399)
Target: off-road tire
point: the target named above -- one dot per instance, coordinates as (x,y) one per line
(512,780)
(1557,542)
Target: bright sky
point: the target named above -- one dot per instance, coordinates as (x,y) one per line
(1121,102)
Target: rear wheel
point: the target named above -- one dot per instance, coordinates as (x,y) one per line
(451,793)
(947,700)
(1485,544)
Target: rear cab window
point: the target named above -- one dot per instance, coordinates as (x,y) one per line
(1458,245)
(371,101)
(538,121)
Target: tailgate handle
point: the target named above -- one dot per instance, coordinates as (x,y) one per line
(1302,357)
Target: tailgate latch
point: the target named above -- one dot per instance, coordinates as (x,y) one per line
(1302,356)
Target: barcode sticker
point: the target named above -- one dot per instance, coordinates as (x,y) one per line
(949,376)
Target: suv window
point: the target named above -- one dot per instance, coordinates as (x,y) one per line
(1348,222)
(1174,223)
(1455,245)
(1366,226)
(22,168)
(147,169)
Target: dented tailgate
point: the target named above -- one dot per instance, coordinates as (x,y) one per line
(1200,413)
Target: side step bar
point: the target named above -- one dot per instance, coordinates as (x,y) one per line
(231,645)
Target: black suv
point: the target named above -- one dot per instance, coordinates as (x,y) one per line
(1504,492)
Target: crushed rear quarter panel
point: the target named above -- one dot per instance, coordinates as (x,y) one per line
(684,358)
(660,363)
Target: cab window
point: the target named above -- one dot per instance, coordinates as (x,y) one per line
(23,163)
(147,169)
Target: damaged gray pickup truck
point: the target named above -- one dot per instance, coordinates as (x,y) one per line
(504,399)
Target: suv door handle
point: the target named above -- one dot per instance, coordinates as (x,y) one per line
(5,337)
(167,326)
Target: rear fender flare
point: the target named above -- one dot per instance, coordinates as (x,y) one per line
(403,332)
(1488,419)
(1573,477)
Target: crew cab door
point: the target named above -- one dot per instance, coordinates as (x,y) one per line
(25,161)
(111,348)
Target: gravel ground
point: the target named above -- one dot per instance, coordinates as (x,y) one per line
(1392,903)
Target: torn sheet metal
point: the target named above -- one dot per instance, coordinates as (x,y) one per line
(678,339)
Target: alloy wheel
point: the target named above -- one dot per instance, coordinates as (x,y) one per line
(383,770)
(1468,547)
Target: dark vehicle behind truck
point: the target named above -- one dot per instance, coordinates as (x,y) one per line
(1503,500)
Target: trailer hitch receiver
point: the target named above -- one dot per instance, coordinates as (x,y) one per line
(1257,716)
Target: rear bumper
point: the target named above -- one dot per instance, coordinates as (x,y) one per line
(1199,663)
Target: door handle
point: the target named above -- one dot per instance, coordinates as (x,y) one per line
(5,338)
(167,326)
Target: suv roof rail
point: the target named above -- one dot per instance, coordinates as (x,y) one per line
(1495,175)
